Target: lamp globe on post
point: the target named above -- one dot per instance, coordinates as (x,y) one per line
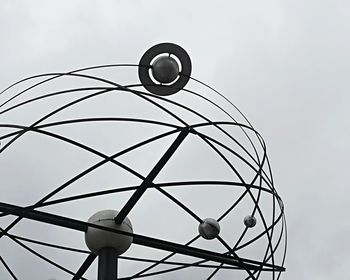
(108,245)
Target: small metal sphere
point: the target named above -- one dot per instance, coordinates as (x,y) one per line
(250,221)
(209,228)
(96,239)
(165,69)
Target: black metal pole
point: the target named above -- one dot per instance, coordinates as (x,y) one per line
(107,264)
(151,176)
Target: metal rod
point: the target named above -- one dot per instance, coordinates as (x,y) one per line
(85,266)
(48,218)
(107,264)
(150,177)
(137,239)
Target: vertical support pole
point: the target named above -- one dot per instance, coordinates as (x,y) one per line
(107,264)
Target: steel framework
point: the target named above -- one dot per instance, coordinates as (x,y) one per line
(236,144)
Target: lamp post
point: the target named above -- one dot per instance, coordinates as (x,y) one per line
(108,245)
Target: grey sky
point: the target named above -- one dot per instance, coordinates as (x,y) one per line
(283,63)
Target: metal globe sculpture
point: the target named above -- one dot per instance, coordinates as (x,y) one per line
(186,175)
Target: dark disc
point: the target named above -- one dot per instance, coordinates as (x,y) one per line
(145,65)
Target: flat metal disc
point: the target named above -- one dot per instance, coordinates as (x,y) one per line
(145,65)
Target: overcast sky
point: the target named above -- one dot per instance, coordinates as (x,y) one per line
(285,64)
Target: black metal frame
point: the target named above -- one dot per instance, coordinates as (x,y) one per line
(145,66)
(226,260)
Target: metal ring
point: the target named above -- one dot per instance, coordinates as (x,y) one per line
(145,65)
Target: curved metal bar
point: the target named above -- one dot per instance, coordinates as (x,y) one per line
(230,116)
(196,264)
(54,76)
(45,243)
(83,120)
(237,248)
(224,158)
(51,114)
(219,143)
(27,248)
(28,101)
(106,119)
(204,136)
(220,108)
(161,260)
(132,188)
(95,152)
(84,147)
(221,95)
